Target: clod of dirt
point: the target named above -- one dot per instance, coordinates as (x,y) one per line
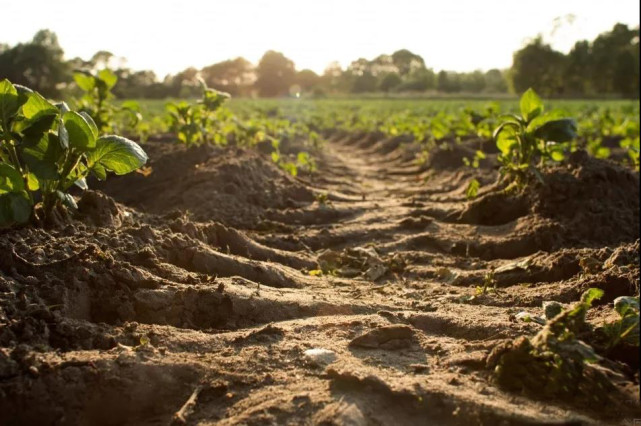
(100,209)
(388,337)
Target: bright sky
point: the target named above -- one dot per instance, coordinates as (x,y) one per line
(168,35)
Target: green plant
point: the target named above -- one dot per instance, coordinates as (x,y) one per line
(476,160)
(555,362)
(48,148)
(97,95)
(530,138)
(472,189)
(489,284)
(194,123)
(626,328)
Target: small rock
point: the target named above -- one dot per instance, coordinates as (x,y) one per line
(319,357)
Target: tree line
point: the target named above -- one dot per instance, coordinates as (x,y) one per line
(608,65)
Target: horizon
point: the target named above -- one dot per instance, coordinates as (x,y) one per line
(415,27)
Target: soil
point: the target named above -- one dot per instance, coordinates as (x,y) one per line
(194,294)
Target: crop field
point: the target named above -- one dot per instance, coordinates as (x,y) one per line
(317,261)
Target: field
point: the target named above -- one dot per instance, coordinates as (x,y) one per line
(335,261)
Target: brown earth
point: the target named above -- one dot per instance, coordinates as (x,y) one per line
(189,300)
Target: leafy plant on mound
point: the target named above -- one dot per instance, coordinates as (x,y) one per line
(529,140)
(556,363)
(46,149)
(194,123)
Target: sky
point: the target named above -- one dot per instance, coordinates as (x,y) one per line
(168,36)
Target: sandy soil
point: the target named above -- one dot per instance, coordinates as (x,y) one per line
(189,299)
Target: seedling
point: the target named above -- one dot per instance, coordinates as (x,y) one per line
(626,328)
(530,138)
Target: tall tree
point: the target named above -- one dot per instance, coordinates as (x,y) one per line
(495,81)
(38,64)
(275,74)
(407,62)
(538,66)
(234,76)
(307,80)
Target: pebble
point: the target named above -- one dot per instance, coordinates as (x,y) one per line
(320,357)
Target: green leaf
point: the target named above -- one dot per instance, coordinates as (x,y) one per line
(117,154)
(84,80)
(557,155)
(91,123)
(42,156)
(505,140)
(32,182)
(15,207)
(623,304)
(108,77)
(10,179)
(531,105)
(20,206)
(472,189)
(99,172)
(37,107)
(8,101)
(563,130)
(131,105)
(81,134)
(590,295)
(602,152)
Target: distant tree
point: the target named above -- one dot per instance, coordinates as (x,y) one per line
(473,82)
(307,80)
(495,81)
(275,74)
(418,80)
(407,62)
(38,64)
(390,82)
(332,79)
(381,66)
(614,61)
(234,76)
(136,84)
(538,66)
(183,84)
(102,59)
(360,76)
(576,73)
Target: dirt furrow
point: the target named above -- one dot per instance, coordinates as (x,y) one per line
(246,296)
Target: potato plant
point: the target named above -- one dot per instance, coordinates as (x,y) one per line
(194,123)
(46,149)
(95,100)
(527,141)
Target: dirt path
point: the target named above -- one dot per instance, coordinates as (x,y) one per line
(202,323)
